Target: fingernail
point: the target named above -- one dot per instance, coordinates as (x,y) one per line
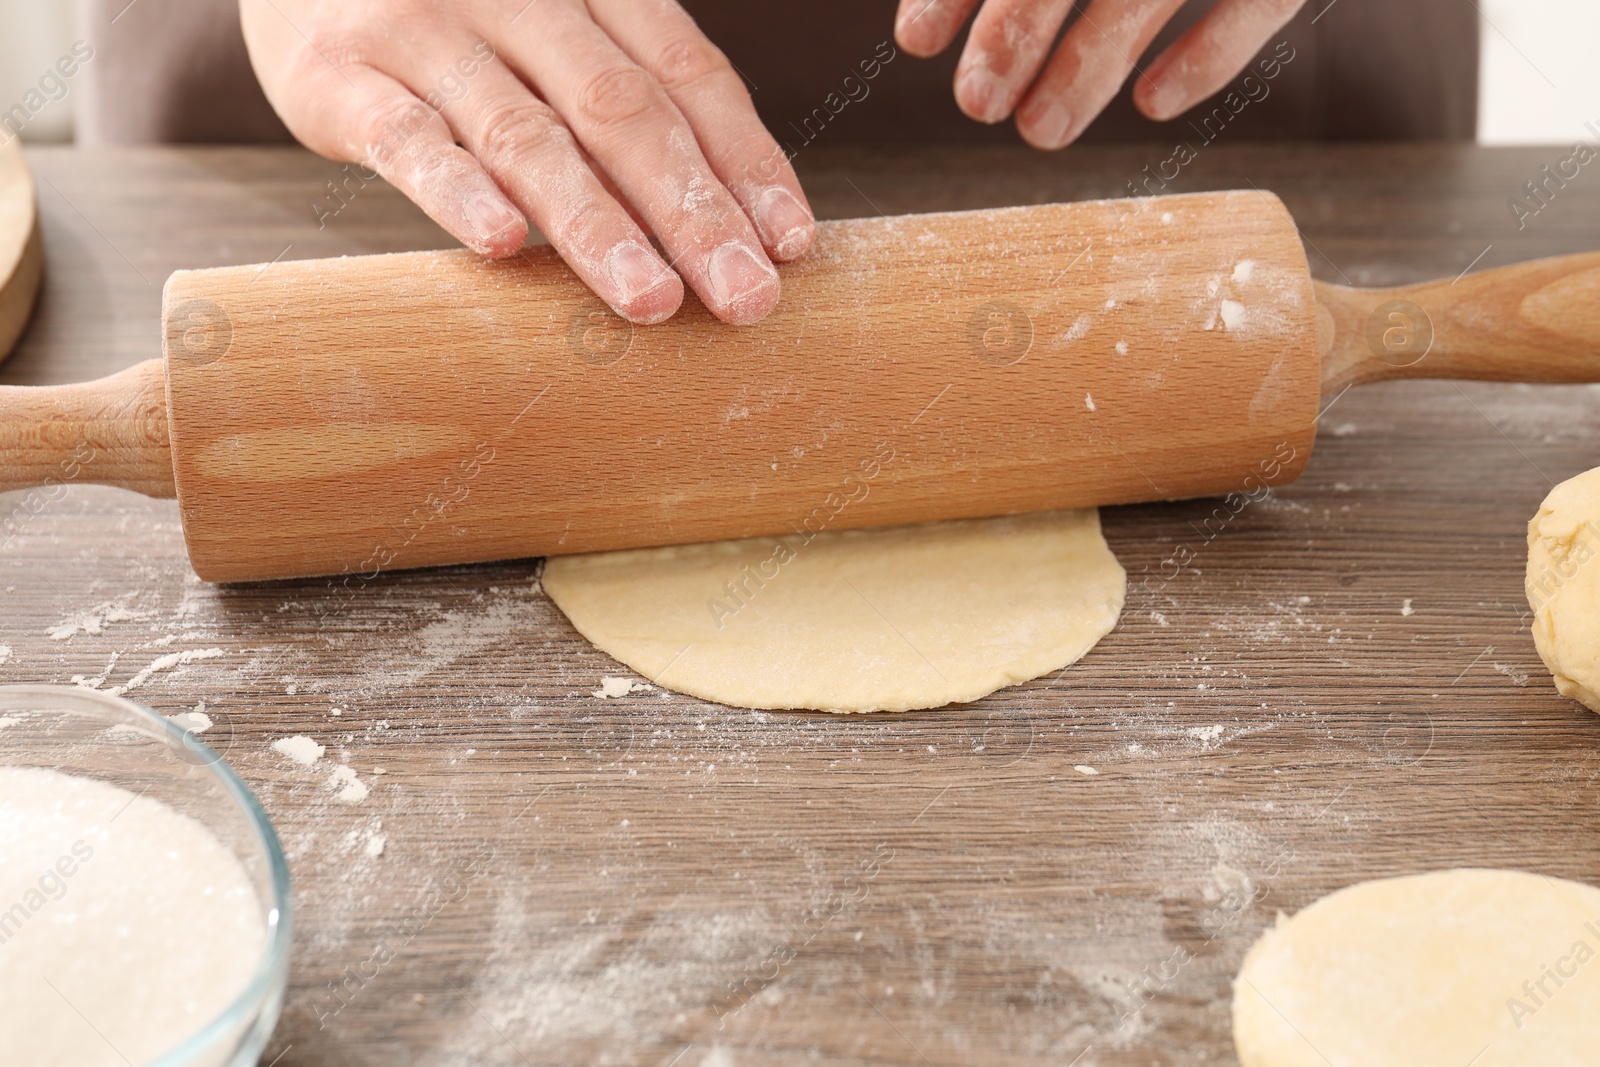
(491,216)
(981,94)
(740,282)
(786,225)
(1049,124)
(906,21)
(636,272)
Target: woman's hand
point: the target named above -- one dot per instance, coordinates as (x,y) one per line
(593,121)
(1004,68)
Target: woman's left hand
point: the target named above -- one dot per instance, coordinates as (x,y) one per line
(1005,67)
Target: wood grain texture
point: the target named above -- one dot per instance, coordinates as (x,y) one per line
(110,431)
(364,415)
(1535,322)
(21,249)
(370,414)
(1266,711)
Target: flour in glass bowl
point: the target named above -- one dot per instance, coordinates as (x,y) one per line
(125,926)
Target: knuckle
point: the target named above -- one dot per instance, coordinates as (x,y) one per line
(617,95)
(519,128)
(754,143)
(709,222)
(996,39)
(337,42)
(327,42)
(572,228)
(393,121)
(686,61)
(759,159)
(440,175)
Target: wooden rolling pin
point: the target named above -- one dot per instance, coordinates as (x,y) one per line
(365,414)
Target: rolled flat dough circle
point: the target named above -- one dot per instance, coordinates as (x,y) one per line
(1484,967)
(862,620)
(1563,585)
(21,252)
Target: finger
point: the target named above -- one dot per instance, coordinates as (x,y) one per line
(363,116)
(616,194)
(1207,57)
(926,27)
(624,119)
(1005,48)
(663,39)
(1088,67)
(524,144)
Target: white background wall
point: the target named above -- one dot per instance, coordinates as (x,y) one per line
(33,33)
(1541,80)
(1540,76)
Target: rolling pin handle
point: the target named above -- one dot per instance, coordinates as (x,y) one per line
(107,432)
(1536,322)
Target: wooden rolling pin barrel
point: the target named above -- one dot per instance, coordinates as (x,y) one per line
(364,414)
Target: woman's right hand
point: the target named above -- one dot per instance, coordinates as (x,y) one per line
(593,121)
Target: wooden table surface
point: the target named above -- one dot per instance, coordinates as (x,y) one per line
(1340,685)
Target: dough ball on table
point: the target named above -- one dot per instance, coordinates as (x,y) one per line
(861,620)
(1563,585)
(1481,967)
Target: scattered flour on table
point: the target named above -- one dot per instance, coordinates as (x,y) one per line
(96,681)
(1229,881)
(1088,401)
(1405,607)
(299,748)
(1243,269)
(1232,314)
(612,687)
(195,722)
(348,787)
(5,653)
(592,981)
(1518,678)
(1278,503)
(165,663)
(368,839)
(94,621)
(457,634)
(1084,768)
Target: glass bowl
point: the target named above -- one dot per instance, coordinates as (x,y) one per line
(92,734)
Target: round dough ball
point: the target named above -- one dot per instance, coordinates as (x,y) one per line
(1564,590)
(1482,967)
(861,620)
